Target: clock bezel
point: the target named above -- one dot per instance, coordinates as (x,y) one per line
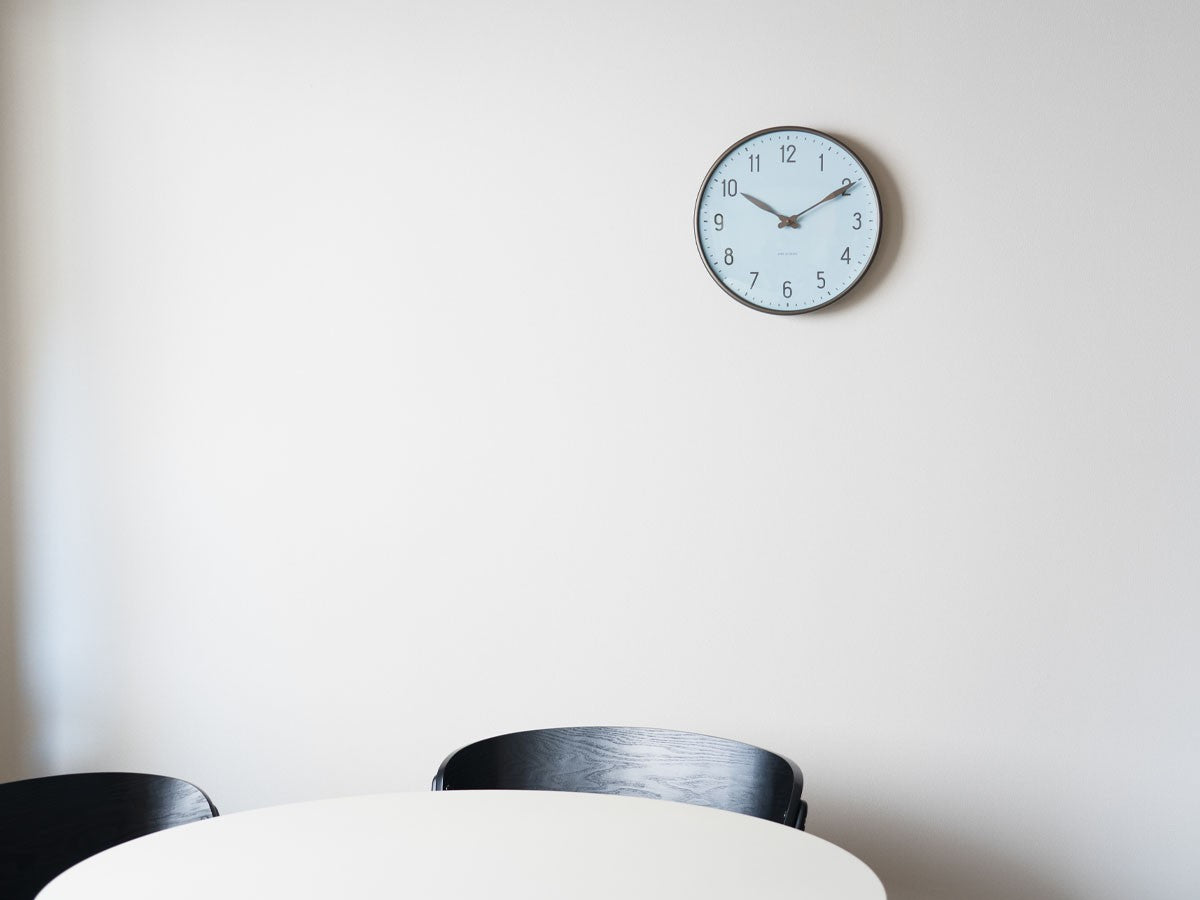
(708,177)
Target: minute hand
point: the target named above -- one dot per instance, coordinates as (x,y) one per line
(841,190)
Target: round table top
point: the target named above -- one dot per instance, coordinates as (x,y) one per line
(474,844)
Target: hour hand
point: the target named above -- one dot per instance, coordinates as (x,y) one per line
(784,221)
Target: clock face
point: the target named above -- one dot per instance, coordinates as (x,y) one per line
(788,220)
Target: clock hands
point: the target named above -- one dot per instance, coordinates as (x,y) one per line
(843,189)
(784,221)
(794,221)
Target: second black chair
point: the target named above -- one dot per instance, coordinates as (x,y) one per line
(49,824)
(640,762)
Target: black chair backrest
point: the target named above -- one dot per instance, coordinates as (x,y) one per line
(49,824)
(639,762)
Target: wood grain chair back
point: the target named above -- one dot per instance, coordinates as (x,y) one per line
(638,762)
(49,824)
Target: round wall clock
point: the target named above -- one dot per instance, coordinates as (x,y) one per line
(788,220)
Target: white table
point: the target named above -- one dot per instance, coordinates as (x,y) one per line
(474,845)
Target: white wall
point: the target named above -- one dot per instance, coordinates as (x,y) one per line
(372,398)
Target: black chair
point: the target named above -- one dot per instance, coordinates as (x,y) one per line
(49,824)
(638,762)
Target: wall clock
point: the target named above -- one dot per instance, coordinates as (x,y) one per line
(788,220)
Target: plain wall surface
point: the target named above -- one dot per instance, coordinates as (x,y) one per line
(369,397)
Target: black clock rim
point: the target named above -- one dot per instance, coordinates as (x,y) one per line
(700,196)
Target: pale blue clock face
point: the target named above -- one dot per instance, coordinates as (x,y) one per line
(788,220)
